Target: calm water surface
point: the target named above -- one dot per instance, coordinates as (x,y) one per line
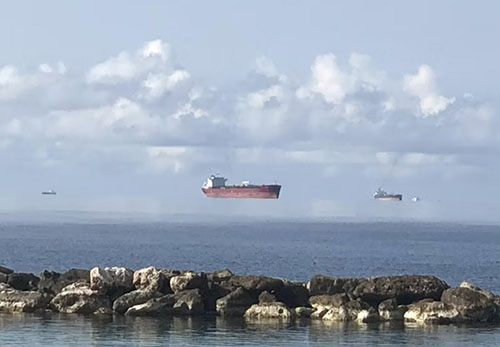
(295,250)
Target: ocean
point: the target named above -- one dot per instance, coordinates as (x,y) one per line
(294,250)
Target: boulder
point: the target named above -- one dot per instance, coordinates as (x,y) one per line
(153,279)
(324,285)
(12,300)
(270,310)
(135,297)
(293,294)
(53,282)
(219,276)
(405,289)
(23,281)
(320,302)
(188,280)
(255,285)
(6,270)
(112,281)
(79,297)
(265,297)
(188,302)
(390,310)
(303,312)
(235,303)
(429,311)
(357,311)
(214,292)
(155,307)
(486,293)
(472,305)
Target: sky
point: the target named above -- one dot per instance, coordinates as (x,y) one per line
(127,107)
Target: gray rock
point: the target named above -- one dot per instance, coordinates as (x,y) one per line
(320,302)
(188,302)
(188,280)
(23,281)
(270,310)
(53,282)
(6,270)
(266,297)
(12,300)
(235,303)
(324,285)
(356,311)
(255,285)
(405,289)
(219,276)
(135,297)
(3,277)
(431,312)
(471,305)
(112,281)
(389,310)
(303,312)
(153,279)
(155,307)
(293,294)
(79,297)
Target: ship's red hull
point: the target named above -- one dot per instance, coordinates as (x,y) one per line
(242,192)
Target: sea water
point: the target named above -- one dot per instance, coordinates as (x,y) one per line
(293,250)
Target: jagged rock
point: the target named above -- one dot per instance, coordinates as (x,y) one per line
(235,303)
(324,285)
(53,282)
(255,285)
(429,311)
(293,294)
(304,312)
(135,297)
(391,311)
(405,289)
(6,270)
(155,307)
(320,302)
(79,297)
(214,292)
(154,279)
(188,302)
(270,310)
(23,281)
(12,300)
(351,311)
(219,276)
(266,297)
(471,305)
(113,281)
(188,280)
(486,293)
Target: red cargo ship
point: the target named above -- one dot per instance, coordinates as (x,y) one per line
(215,187)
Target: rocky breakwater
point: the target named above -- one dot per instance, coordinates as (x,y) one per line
(164,292)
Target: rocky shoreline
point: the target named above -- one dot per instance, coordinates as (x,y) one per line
(162,292)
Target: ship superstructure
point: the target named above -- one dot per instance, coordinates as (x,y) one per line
(215,187)
(383,195)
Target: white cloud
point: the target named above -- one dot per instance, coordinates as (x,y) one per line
(127,66)
(13,83)
(423,86)
(328,80)
(157,84)
(262,98)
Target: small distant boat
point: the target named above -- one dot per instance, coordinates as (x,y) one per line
(415,199)
(383,195)
(49,192)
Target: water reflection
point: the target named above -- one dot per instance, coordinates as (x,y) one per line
(71,330)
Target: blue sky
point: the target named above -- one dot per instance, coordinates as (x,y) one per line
(128,106)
